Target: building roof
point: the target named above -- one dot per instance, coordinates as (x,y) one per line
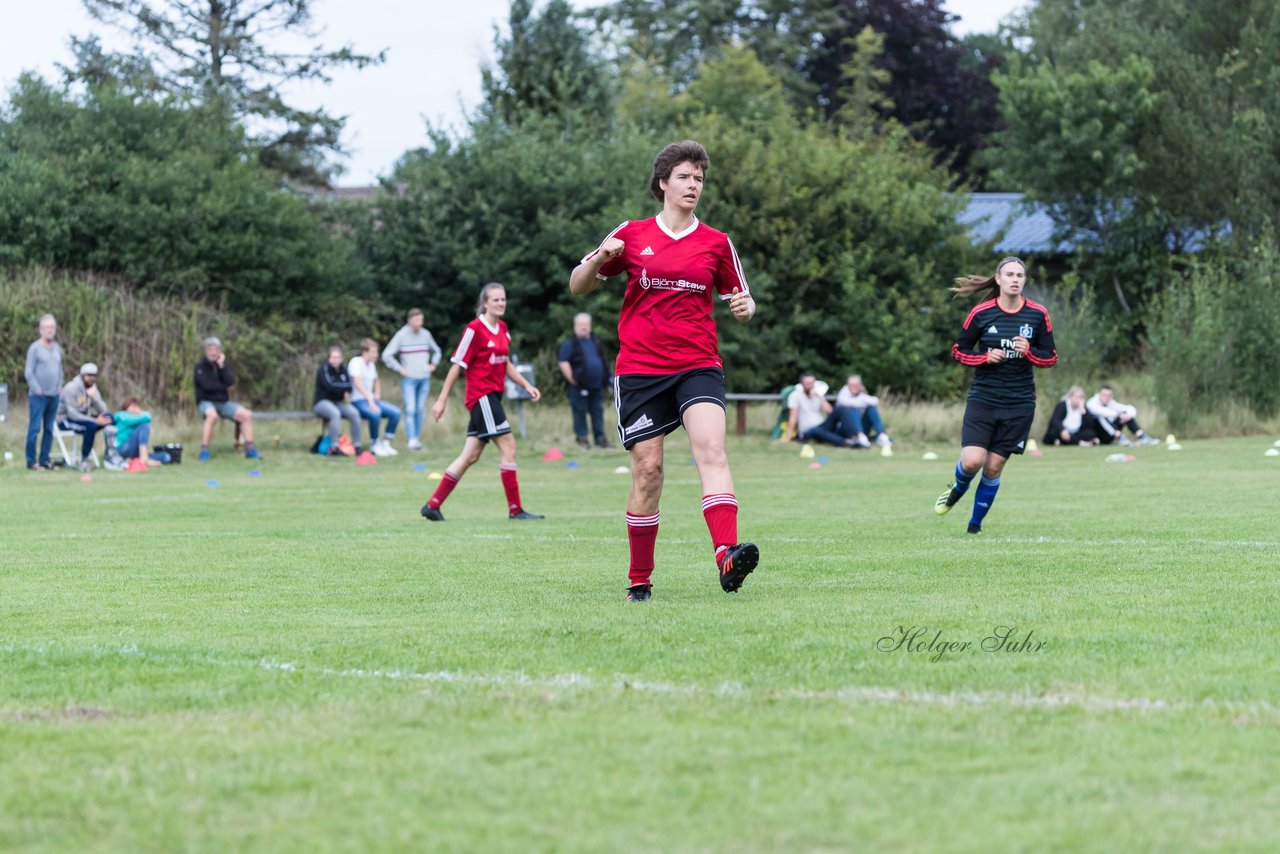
(1017,226)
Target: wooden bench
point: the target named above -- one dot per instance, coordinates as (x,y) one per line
(742,400)
(273,416)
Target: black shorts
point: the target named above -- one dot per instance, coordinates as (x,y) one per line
(1000,429)
(487,418)
(652,405)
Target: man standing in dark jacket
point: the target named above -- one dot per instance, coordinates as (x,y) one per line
(585,372)
(213,399)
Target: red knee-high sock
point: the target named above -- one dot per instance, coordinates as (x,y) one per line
(512,487)
(447,483)
(721,512)
(642,534)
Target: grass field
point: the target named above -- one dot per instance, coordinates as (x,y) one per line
(297,661)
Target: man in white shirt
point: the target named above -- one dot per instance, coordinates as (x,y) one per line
(366,397)
(1113,417)
(811,417)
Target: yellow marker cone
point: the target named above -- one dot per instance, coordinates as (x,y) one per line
(886,451)
(1169,440)
(807,452)
(1031,446)
(435,475)
(1271,452)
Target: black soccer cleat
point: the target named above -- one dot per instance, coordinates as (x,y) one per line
(946,501)
(525,515)
(736,563)
(640,593)
(432,513)
(975,529)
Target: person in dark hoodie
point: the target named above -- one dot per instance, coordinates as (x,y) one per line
(333,399)
(213,399)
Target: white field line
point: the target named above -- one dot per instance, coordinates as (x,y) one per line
(1052,701)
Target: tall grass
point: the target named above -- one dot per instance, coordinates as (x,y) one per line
(147,346)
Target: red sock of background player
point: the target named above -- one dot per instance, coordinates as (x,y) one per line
(511,486)
(447,483)
(642,535)
(721,512)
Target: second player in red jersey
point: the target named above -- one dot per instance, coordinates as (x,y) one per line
(484,354)
(669,372)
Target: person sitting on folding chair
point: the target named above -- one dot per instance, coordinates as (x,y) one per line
(81,410)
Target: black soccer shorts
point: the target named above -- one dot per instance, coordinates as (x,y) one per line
(652,405)
(488,418)
(1001,430)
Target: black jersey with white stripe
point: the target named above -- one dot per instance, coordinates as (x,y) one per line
(990,327)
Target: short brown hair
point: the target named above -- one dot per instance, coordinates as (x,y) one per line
(413,312)
(130,402)
(671,157)
(367,344)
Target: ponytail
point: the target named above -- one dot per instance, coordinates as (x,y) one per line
(966,286)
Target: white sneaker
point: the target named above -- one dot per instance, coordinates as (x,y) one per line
(862,441)
(883,440)
(413,445)
(387,449)
(379,449)
(1124,441)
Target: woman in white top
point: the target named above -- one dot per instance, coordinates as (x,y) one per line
(366,397)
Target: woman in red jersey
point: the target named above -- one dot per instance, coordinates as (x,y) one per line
(1011,335)
(669,371)
(483,353)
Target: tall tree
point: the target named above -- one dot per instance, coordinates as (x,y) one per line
(219,50)
(544,66)
(935,85)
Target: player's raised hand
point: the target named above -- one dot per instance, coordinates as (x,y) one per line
(611,249)
(742,305)
(437,408)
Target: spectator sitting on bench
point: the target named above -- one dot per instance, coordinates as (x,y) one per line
(82,410)
(811,417)
(366,397)
(1114,416)
(1071,422)
(857,411)
(133,434)
(213,399)
(333,400)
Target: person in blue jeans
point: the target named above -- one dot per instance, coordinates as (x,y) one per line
(414,354)
(366,397)
(859,414)
(586,373)
(811,417)
(133,434)
(44,389)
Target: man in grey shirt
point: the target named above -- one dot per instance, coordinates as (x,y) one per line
(44,386)
(414,354)
(82,410)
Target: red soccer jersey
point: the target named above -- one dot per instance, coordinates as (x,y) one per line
(665,325)
(483,353)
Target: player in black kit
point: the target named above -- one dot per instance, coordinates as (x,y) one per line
(1004,337)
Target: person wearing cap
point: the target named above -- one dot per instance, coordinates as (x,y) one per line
(82,410)
(213,399)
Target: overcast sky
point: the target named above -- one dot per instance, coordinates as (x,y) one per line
(434,52)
